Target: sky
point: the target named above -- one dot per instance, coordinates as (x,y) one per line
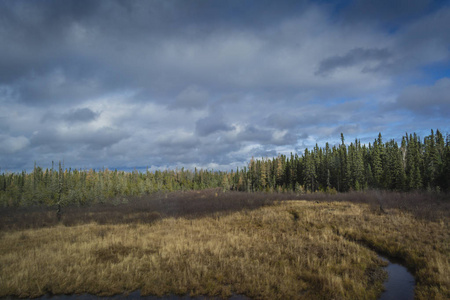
(209,84)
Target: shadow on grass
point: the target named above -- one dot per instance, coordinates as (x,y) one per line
(144,209)
(195,204)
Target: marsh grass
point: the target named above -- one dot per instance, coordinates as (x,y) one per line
(219,244)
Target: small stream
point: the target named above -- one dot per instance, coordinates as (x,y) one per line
(400,283)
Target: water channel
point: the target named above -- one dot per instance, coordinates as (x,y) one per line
(400,283)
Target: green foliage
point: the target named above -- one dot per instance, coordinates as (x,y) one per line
(415,165)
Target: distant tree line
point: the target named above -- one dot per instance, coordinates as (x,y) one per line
(60,186)
(412,165)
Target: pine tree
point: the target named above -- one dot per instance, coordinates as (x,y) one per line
(343,166)
(279,171)
(446,166)
(310,171)
(359,167)
(377,166)
(263,176)
(431,160)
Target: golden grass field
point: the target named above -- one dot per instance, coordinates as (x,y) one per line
(284,250)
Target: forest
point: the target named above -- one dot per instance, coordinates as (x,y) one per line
(413,165)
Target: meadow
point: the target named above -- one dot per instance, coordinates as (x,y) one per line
(215,243)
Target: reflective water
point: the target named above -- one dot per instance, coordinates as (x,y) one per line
(400,283)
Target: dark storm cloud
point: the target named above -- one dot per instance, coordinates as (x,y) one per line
(131,39)
(80,115)
(220,149)
(356,56)
(35,33)
(393,12)
(427,38)
(211,124)
(254,134)
(313,115)
(58,87)
(426,101)
(177,143)
(193,97)
(59,140)
(102,138)
(282,121)
(60,51)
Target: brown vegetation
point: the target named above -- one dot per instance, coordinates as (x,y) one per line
(216,243)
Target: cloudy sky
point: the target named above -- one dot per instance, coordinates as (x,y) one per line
(167,83)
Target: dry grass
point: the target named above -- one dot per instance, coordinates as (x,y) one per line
(287,250)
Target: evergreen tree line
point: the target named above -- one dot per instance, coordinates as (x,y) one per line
(61,186)
(415,164)
(412,165)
